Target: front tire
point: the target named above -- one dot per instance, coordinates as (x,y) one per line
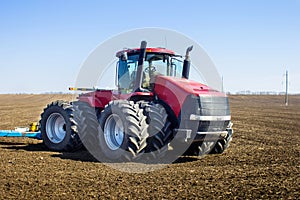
(200,148)
(221,145)
(122,131)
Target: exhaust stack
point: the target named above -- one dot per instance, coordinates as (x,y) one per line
(187,63)
(139,73)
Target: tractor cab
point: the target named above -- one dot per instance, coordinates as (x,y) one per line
(157,61)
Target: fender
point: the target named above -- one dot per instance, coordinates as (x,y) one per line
(98,98)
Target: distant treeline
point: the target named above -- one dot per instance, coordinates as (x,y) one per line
(248,92)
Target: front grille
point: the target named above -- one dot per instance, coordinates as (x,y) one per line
(206,105)
(211,126)
(214,106)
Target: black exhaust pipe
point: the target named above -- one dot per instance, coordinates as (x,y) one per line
(187,63)
(139,73)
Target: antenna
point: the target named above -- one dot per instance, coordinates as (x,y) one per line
(286,88)
(222,84)
(166,44)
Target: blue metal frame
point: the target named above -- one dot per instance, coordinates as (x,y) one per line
(9,133)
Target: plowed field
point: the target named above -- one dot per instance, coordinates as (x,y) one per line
(263,160)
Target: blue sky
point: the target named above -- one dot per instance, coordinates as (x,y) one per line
(43,43)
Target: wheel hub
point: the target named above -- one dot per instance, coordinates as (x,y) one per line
(56,128)
(114,132)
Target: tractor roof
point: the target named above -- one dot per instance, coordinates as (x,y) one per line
(158,50)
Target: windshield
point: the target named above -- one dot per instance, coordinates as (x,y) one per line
(163,65)
(155,64)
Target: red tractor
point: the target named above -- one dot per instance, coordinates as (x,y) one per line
(155,109)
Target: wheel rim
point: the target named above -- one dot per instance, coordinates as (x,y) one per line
(114,132)
(56,128)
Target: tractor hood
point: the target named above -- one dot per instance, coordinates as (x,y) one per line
(181,85)
(175,91)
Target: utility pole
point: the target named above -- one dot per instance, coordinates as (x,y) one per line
(286,88)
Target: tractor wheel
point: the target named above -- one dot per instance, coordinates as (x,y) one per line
(86,119)
(123,131)
(58,127)
(199,149)
(205,148)
(159,130)
(221,145)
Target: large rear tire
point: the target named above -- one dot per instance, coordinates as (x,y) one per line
(123,131)
(87,124)
(58,127)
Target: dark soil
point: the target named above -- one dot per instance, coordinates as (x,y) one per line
(263,160)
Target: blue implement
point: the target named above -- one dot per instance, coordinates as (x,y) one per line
(10,133)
